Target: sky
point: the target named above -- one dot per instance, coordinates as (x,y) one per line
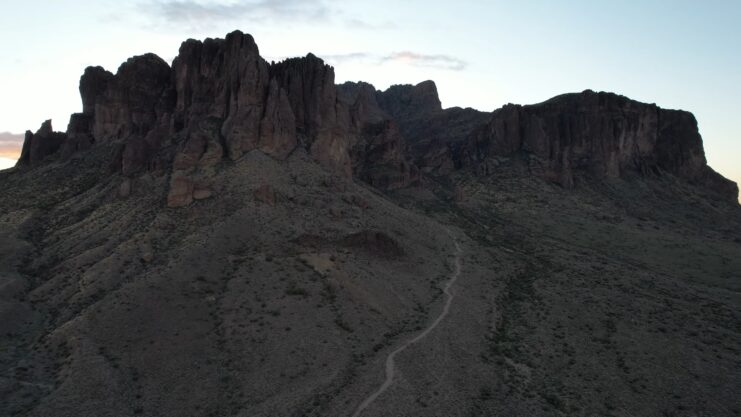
(482,54)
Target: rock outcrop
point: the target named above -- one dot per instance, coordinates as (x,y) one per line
(265,194)
(38,146)
(600,135)
(407,102)
(130,103)
(374,241)
(79,134)
(378,152)
(380,157)
(596,134)
(225,80)
(93,83)
(278,125)
(221,99)
(434,135)
(312,95)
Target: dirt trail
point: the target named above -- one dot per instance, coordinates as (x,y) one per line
(390,364)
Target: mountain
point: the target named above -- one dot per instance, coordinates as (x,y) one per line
(229,236)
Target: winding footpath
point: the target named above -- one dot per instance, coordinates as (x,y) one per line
(390,363)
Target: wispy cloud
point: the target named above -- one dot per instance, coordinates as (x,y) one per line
(11,144)
(354,23)
(208,14)
(205,14)
(336,59)
(438,61)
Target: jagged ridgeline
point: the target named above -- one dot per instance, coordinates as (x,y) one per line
(221,99)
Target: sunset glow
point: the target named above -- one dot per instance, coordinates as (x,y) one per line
(7,162)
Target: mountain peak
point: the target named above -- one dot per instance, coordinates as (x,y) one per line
(406,100)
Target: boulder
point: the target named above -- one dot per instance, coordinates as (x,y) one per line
(147,252)
(124,190)
(181,190)
(202,193)
(265,194)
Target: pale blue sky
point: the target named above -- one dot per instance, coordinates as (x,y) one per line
(482,54)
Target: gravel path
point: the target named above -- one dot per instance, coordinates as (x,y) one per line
(390,363)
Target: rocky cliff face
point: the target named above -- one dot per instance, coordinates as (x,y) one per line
(434,135)
(221,99)
(37,146)
(601,135)
(596,134)
(407,102)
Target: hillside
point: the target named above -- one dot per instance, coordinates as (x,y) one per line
(231,237)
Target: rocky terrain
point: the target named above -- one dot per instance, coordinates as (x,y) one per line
(226,236)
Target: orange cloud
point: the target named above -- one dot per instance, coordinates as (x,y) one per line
(11,144)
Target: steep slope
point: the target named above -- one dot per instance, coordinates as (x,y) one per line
(285,278)
(232,237)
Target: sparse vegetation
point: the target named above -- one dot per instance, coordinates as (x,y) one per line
(294,289)
(569,304)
